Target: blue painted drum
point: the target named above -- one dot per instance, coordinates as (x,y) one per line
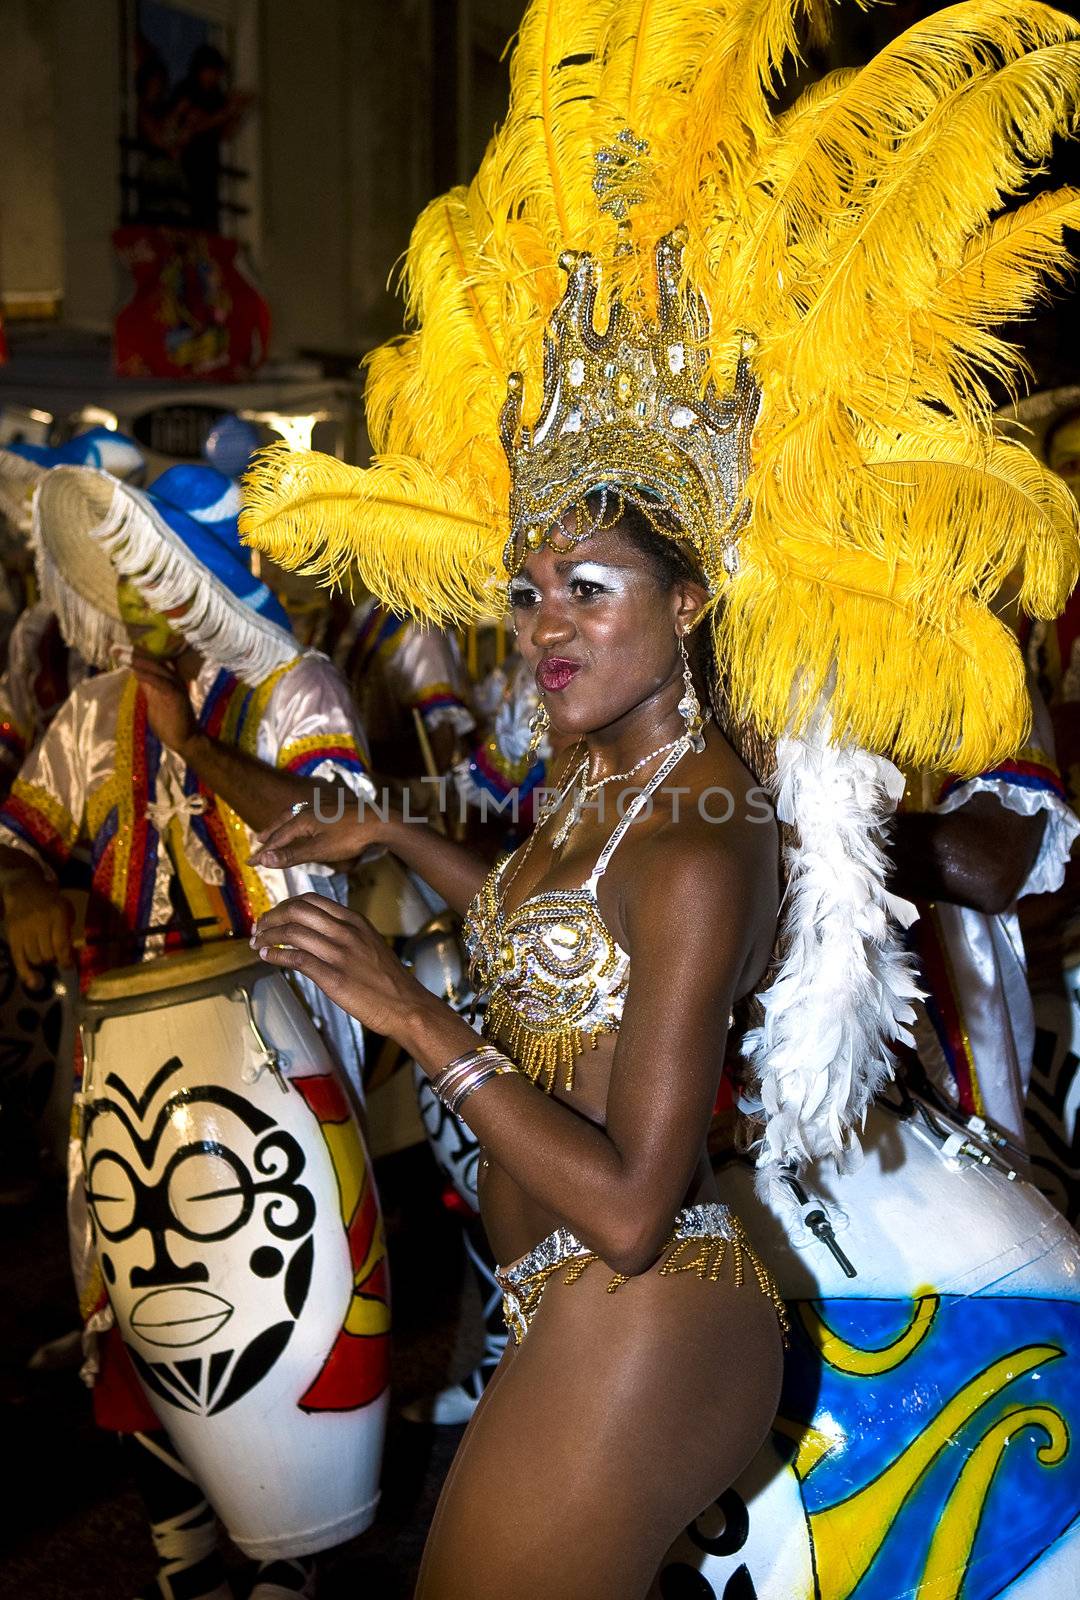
(928,1438)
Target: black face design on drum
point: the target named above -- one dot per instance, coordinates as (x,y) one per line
(217,1213)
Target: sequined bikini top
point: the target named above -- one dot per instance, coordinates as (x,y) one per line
(551,973)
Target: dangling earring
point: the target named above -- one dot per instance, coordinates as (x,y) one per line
(538,727)
(690,706)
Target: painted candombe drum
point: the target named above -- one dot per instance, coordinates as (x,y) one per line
(928,1439)
(238,1231)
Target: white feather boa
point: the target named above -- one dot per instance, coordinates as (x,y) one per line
(845,984)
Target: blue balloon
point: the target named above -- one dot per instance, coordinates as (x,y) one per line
(229,444)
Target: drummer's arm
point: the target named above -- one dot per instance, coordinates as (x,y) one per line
(979,855)
(38,917)
(256,792)
(41,819)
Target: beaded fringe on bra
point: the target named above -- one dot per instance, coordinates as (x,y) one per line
(542,1053)
(701,1240)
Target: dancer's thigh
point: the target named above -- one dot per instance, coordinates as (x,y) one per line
(618,1420)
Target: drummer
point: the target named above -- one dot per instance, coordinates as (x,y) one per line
(162,770)
(39,674)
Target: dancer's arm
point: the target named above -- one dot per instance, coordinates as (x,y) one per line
(452,870)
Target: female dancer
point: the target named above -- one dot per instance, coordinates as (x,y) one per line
(638,1406)
(769,346)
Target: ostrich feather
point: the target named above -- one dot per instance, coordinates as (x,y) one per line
(452,381)
(733,116)
(544,152)
(1006,270)
(651,52)
(887,566)
(412,538)
(831,149)
(928,203)
(390,409)
(818,621)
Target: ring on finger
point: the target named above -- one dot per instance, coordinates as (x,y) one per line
(298,806)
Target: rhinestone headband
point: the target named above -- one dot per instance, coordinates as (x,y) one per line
(633,411)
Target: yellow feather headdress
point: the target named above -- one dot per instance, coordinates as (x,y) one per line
(850,238)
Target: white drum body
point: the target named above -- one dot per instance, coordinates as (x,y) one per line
(928,1438)
(238,1231)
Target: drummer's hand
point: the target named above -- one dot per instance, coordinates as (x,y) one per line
(341,953)
(38,921)
(168,706)
(293,841)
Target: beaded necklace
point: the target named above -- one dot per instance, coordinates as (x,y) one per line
(586,790)
(577,804)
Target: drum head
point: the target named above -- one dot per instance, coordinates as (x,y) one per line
(208,964)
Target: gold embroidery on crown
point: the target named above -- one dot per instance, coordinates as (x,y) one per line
(635,411)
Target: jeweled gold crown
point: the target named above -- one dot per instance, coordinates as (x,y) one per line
(633,411)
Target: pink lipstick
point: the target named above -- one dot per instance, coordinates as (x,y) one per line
(555,673)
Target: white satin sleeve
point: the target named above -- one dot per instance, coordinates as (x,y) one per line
(18,706)
(311,727)
(45,812)
(425,672)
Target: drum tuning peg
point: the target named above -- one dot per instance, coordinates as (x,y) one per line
(956,1148)
(982,1130)
(820,1226)
(268,1059)
(986,1133)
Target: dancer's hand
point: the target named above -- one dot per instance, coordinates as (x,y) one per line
(294,840)
(343,956)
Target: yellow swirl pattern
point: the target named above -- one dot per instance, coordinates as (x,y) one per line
(812,1444)
(860,1363)
(954,1537)
(847,1536)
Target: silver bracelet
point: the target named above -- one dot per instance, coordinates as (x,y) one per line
(479,1077)
(444,1081)
(457,1081)
(466,1073)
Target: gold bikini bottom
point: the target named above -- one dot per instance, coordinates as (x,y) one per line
(702,1237)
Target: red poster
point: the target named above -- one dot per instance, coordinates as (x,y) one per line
(193,314)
